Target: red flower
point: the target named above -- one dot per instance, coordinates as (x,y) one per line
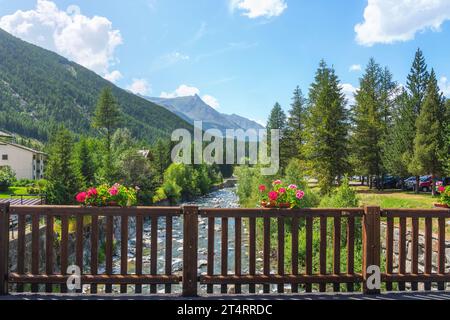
(92,192)
(262,188)
(273,195)
(441,189)
(81,197)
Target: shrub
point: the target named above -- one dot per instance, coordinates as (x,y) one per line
(342,197)
(7,178)
(105,195)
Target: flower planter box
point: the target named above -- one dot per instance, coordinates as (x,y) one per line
(441,206)
(269,205)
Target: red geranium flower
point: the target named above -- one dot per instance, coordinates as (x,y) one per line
(262,188)
(81,197)
(273,195)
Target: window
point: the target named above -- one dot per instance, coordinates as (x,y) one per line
(4,157)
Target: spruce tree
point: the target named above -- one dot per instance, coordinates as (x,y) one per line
(61,172)
(277,121)
(107,119)
(85,162)
(296,126)
(416,85)
(368,130)
(430,138)
(327,129)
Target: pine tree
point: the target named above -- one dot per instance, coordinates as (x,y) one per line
(85,162)
(277,121)
(327,129)
(429,141)
(446,155)
(372,115)
(61,171)
(161,158)
(416,85)
(398,149)
(107,119)
(296,126)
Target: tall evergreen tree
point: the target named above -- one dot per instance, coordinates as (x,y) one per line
(367,131)
(161,158)
(107,119)
(277,121)
(296,125)
(61,171)
(446,155)
(327,129)
(85,162)
(430,139)
(416,85)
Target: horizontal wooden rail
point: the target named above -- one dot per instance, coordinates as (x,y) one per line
(95,279)
(96,211)
(281,279)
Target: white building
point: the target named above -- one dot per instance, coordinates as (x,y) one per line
(25,162)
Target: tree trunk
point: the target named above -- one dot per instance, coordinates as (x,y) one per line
(433,185)
(371,182)
(417,184)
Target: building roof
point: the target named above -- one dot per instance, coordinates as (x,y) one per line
(5,135)
(23,147)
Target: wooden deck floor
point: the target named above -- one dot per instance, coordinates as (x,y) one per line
(411,296)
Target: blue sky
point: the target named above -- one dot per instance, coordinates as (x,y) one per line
(240,55)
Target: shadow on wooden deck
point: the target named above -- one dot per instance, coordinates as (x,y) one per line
(411,296)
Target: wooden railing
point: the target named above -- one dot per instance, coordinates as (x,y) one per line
(328,249)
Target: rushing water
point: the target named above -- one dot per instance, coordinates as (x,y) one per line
(224,198)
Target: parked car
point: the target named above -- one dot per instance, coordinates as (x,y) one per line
(445,181)
(425,184)
(408,184)
(389,182)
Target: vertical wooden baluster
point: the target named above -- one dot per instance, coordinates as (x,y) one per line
(281,251)
(64,249)
(252,252)
(323,251)
(154,251)
(337,251)
(224,264)
(109,250)
(428,249)
(350,251)
(35,249)
(441,251)
(79,245)
(389,249)
(309,251)
(139,250)
(211,240)
(238,251)
(415,251)
(21,247)
(123,250)
(266,267)
(49,251)
(402,252)
(294,257)
(169,234)
(94,250)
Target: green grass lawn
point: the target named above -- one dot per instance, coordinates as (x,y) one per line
(396,199)
(16,191)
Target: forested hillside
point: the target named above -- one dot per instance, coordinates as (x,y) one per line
(40,89)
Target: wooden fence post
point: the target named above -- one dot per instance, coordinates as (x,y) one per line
(4,247)
(190,248)
(371,244)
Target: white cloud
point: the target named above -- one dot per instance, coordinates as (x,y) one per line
(444,85)
(140,86)
(349,91)
(389,21)
(181,91)
(90,42)
(113,76)
(355,68)
(259,8)
(211,101)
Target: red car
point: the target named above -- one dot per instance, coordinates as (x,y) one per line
(425,184)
